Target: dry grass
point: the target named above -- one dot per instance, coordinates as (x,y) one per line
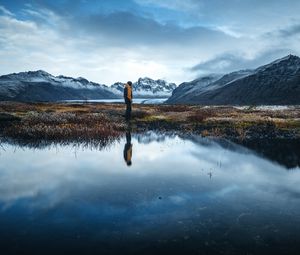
(140,114)
(201,115)
(68,126)
(172,108)
(92,121)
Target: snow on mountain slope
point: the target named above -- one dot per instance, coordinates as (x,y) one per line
(275,83)
(146,87)
(188,88)
(40,85)
(42,76)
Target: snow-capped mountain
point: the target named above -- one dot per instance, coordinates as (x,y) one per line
(147,88)
(187,88)
(277,83)
(42,86)
(273,84)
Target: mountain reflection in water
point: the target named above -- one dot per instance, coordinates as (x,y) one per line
(181,194)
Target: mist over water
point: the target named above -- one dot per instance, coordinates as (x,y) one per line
(179,193)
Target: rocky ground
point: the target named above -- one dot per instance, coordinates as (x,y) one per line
(98,121)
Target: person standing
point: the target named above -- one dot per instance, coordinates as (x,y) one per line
(128,99)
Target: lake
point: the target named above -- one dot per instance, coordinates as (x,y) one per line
(121,100)
(145,194)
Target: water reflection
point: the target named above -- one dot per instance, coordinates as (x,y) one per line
(284,151)
(128,149)
(182,194)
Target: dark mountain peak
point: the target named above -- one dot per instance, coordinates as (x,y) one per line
(119,83)
(82,80)
(42,86)
(147,87)
(287,59)
(289,62)
(38,73)
(28,76)
(275,83)
(291,56)
(42,72)
(145,79)
(64,77)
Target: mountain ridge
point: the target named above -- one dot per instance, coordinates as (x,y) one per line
(42,86)
(147,87)
(275,83)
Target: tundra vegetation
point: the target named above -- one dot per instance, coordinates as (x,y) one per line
(99,123)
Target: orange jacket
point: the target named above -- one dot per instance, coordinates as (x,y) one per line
(128,92)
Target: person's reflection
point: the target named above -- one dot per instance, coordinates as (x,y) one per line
(128,149)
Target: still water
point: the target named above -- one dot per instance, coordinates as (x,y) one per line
(121,100)
(147,194)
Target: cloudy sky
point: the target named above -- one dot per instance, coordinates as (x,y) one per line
(118,40)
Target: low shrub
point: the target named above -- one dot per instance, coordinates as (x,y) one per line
(201,115)
(139,114)
(173,108)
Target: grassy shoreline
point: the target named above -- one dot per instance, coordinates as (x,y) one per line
(98,121)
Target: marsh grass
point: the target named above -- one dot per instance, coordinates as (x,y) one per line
(67,126)
(172,108)
(201,115)
(94,122)
(140,114)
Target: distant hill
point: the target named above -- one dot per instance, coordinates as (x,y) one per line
(277,83)
(41,86)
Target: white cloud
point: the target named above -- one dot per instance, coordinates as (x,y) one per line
(5,11)
(59,49)
(186,5)
(247,17)
(122,46)
(230,31)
